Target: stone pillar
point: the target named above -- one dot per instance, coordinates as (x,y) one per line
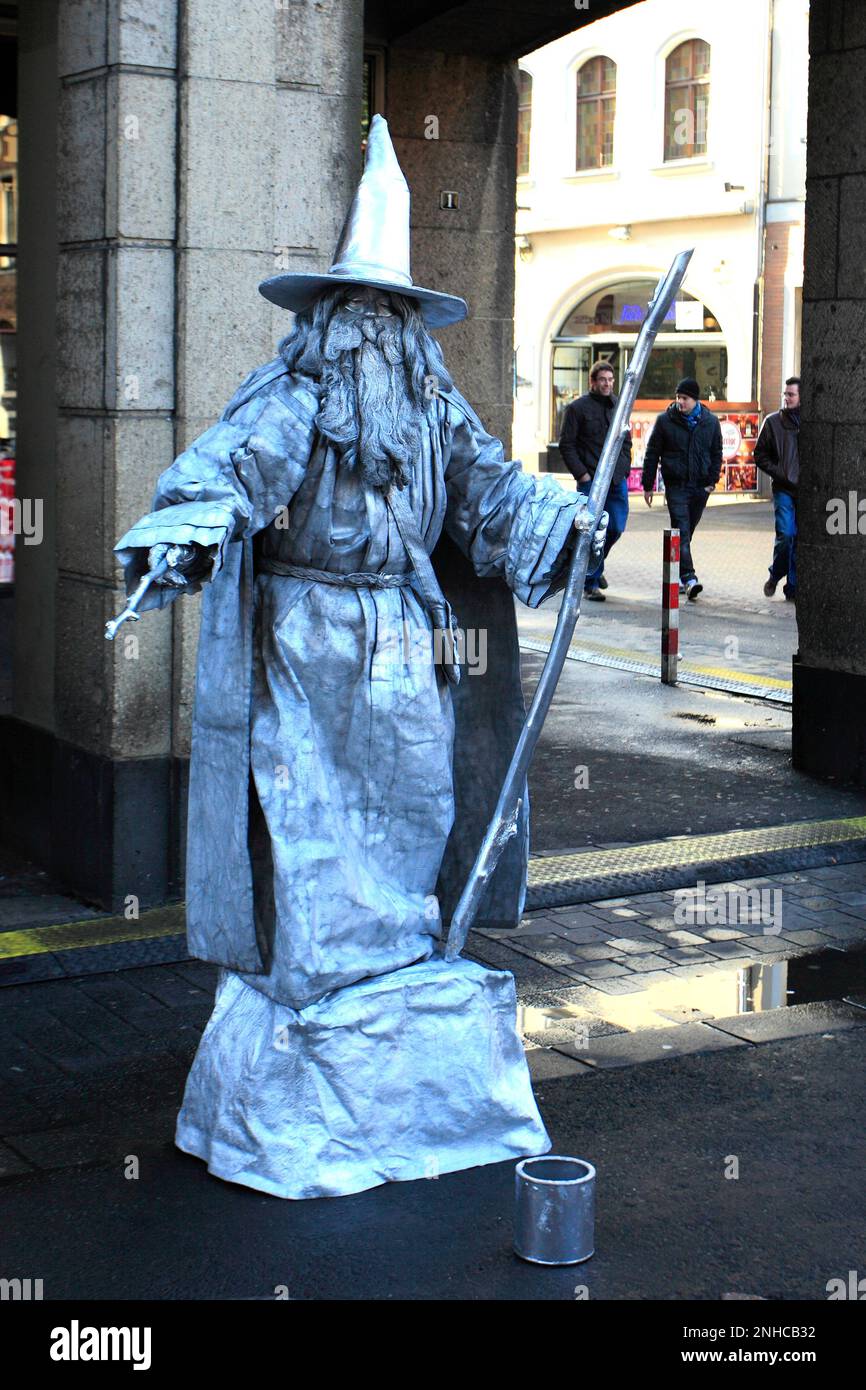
(453,120)
(830,668)
(200,145)
(115,395)
(270,112)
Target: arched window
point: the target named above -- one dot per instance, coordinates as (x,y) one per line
(524,121)
(687,99)
(596,108)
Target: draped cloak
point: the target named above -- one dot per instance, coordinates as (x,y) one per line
(321,791)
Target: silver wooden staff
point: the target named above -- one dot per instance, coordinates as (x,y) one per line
(504,822)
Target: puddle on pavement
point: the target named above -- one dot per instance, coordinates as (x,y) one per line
(737,723)
(693,996)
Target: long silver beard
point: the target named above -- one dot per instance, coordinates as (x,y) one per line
(368,410)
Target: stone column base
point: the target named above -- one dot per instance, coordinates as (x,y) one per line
(105,828)
(403,1076)
(829,735)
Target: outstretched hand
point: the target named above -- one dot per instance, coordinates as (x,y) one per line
(179,558)
(581,523)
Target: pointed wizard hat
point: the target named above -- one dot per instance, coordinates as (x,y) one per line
(373,248)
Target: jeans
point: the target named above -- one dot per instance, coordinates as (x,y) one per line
(785,548)
(686,502)
(616,507)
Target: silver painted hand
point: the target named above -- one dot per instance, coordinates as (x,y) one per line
(178,558)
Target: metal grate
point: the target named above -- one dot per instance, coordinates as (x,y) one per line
(558,880)
(779,692)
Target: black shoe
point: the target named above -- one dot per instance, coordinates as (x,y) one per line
(790,595)
(602,583)
(770,588)
(693,588)
(595,594)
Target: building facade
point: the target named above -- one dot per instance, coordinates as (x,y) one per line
(640,135)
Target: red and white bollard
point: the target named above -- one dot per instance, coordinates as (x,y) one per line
(670,606)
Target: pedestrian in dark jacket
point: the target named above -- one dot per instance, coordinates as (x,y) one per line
(687,440)
(584,430)
(777,453)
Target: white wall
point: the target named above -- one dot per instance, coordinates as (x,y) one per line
(786,183)
(790,73)
(567,215)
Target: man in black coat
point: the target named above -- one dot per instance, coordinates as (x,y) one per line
(687,440)
(777,453)
(584,430)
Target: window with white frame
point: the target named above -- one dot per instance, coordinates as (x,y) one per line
(596,110)
(524,121)
(687,100)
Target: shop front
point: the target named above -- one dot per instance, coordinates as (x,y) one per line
(739,421)
(604,326)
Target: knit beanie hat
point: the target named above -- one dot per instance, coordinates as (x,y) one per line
(689,387)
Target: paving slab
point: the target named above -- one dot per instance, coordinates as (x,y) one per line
(649,1045)
(728,950)
(596,951)
(806,938)
(645,964)
(602,970)
(573,917)
(795,1021)
(583,935)
(760,942)
(625,931)
(685,938)
(544,1064)
(842,928)
(623,984)
(629,947)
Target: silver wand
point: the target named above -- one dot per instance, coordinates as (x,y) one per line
(131,609)
(504,822)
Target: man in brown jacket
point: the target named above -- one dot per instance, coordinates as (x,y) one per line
(777,453)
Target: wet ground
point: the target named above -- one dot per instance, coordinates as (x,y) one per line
(623,758)
(676,1219)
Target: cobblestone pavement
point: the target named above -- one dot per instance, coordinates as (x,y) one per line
(742,964)
(88,1063)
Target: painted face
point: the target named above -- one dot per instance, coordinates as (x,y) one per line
(368,301)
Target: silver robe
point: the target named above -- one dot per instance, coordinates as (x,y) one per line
(321,776)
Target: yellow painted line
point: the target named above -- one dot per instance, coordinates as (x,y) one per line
(651,659)
(745,678)
(693,849)
(105,931)
(543,869)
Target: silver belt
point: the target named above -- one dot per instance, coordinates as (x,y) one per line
(358,580)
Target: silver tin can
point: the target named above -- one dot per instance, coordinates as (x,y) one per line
(554,1220)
